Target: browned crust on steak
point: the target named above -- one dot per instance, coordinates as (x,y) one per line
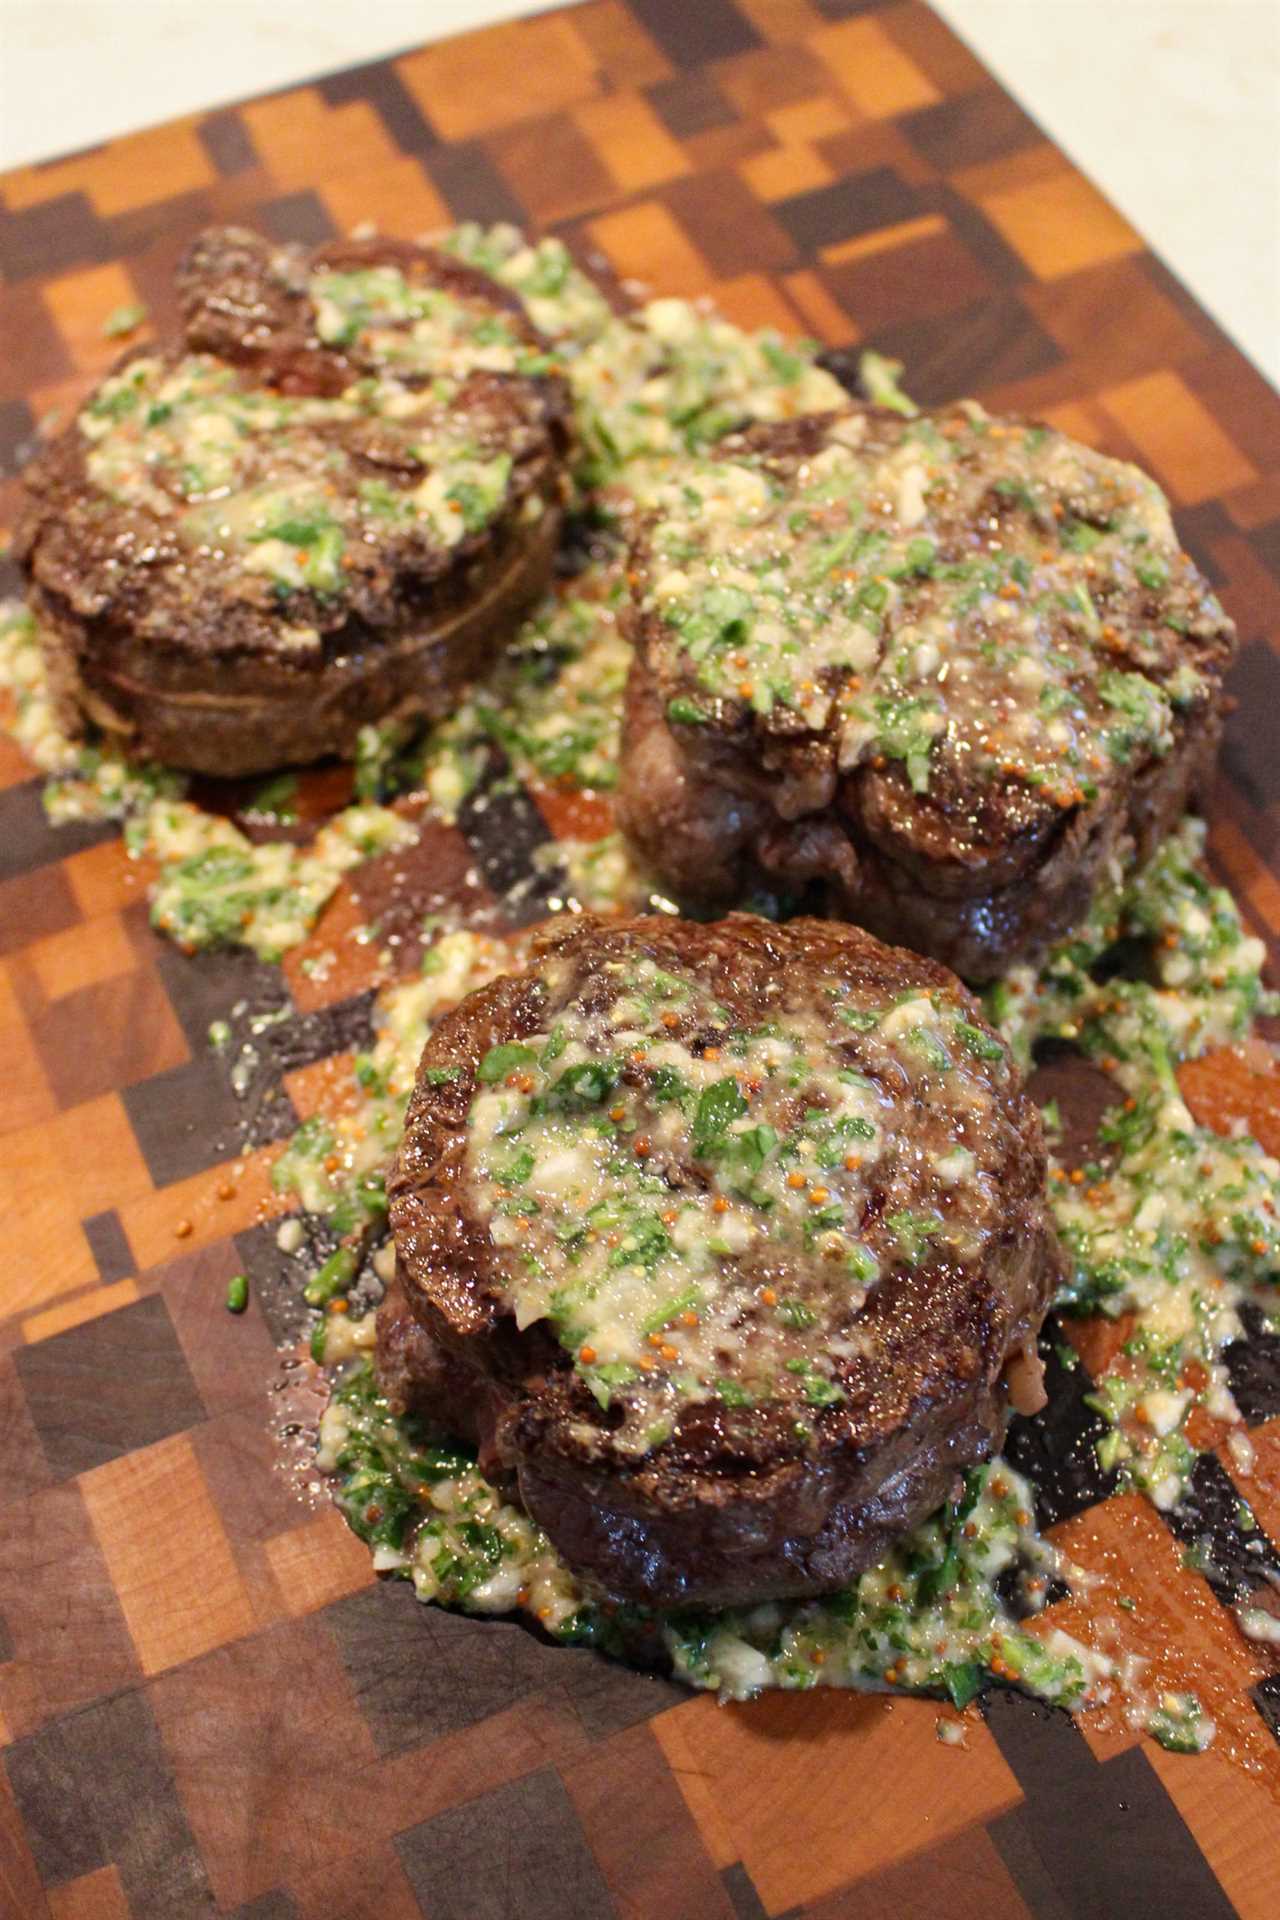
(703,818)
(246,301)
(425,1380)
(263,709)
(184,656)
(735,1506)
(979,875)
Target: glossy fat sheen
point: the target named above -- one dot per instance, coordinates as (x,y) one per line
(978,871)
(186,655)
(735,1506)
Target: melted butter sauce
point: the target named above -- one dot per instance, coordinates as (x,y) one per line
(929,1617)
(1172,1228)
(700,1209)
(1171,1223)
(280,483)
(852,589)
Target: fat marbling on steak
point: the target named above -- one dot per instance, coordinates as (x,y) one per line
(739,1232)
(323,506)
(953,669)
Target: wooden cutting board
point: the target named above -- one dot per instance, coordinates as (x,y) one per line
(207,1703)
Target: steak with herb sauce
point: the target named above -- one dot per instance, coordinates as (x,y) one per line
(954,669)
(740,1231)
(323,507)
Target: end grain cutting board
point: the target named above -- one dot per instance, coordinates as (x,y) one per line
(207,1704)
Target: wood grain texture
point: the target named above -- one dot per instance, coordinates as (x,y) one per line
(207,1704)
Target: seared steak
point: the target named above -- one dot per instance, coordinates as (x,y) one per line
(953,669)
(740,1232)
(324,505)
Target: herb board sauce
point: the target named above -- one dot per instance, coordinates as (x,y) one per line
(1172,1227)
(698,1207)
(285,485)
(844,590)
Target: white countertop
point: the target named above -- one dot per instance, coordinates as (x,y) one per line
(1173,106)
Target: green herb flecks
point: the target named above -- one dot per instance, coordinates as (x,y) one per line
(930,1618)
(123,320)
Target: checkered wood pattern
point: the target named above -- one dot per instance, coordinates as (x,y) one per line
(207,1703)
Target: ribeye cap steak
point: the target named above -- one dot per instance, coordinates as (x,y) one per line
(955,669)
(324,505)
(739,1233)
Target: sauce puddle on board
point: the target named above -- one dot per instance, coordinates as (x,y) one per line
(1166,1200)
